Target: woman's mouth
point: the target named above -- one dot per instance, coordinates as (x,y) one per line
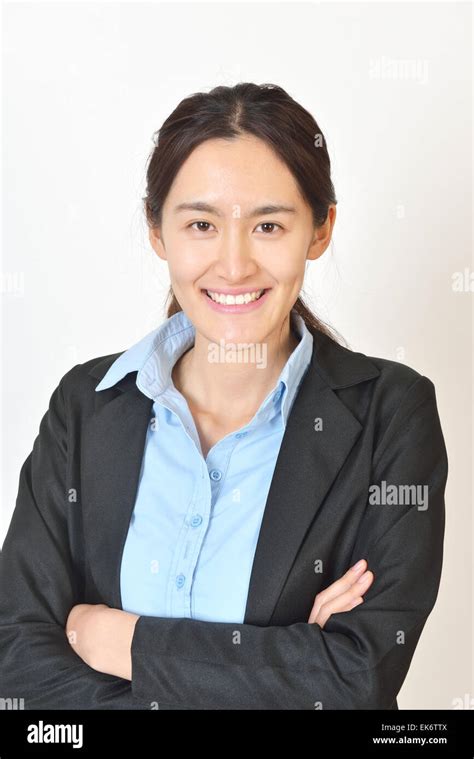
(236,304)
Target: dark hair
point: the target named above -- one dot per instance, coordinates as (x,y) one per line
(263,110)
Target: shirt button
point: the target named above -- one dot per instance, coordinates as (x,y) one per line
(180,580)
(196,520)
(215,474)
(240,434)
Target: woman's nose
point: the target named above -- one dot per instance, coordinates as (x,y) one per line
(235,261)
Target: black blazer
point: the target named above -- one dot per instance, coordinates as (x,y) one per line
(76,495)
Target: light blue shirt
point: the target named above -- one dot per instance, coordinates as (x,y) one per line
(194,529)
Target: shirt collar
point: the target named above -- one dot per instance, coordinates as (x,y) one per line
(154,356)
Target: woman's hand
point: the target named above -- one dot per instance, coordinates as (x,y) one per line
(102,637)
(342,595)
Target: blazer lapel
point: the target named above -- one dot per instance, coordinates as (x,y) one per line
(112,451)
(307,464)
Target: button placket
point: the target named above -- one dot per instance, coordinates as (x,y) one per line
(196,522)
(187,550)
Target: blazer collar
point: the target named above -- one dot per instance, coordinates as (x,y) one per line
(307,464)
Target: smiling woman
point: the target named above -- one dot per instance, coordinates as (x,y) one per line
(200,533)
(237,183)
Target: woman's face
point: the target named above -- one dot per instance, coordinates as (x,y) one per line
(220,235)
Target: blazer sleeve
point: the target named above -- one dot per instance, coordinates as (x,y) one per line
(37,588)
(361,657)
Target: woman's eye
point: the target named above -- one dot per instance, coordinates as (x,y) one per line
(269,224)
(200,229)
(203,226)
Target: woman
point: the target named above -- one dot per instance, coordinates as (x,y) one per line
(238,511)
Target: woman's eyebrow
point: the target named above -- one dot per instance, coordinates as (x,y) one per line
(259,211)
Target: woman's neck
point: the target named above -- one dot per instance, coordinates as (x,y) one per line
(230,392)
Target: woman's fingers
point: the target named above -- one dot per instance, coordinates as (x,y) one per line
(347,600)
(337,588)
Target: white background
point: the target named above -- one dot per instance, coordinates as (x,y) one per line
(85,85)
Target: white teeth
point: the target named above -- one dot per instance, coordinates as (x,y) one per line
(234,300)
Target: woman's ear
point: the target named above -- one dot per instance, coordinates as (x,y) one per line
(157,242)
(322,236)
